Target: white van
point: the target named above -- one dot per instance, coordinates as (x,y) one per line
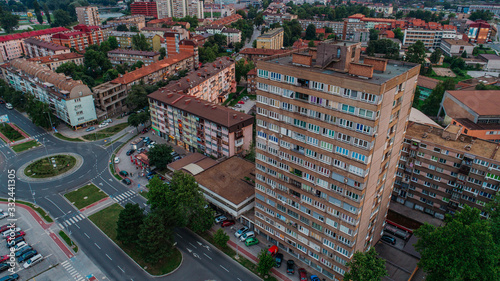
(33,260)
(9,106)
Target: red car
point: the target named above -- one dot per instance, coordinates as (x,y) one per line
(241,102)
(18,234)
(302,274)
(4,258)
(144,131)
(2,101)
(227,223)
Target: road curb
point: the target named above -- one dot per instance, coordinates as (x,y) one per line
(20,171)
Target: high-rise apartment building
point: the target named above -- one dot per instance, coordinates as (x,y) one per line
(147,8)
(179,8)
(88,15)
(330,125)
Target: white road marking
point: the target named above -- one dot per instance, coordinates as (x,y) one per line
(224,268)
(109,257)
(87,235)
(178,235)
(207,256)
(121,269)
(193,245)
(97,246)
(71,220)
(77,226)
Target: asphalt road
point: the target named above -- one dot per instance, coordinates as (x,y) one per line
(208,263)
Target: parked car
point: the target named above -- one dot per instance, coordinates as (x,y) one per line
(2,102)
(146,139)
(126,181)
(176,158)
(102,125)
(7,232)
(4,258)
(108,120)
(302,274)
(227,223)
(241,231)
(315,278)
(247,235)
(90,129)
(26,256)
(241,102)
(279,259)
(4,228)
(237,105)
(290,267)
(388,239)
(123,173)
(117,160)
(251,241)
(130,151)
(14,242)
(12,277)
(152,143)
(9,106)
(33,260)
(144,131)
(23,251)
(140,150)
(3,215)
(220,219)
(20,245)
(17,234)
(4,266)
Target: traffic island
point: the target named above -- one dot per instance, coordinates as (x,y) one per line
(25,146)
(106,220)
(105,133)
(85,196)
(52,166)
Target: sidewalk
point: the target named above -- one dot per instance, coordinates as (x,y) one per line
(66,131)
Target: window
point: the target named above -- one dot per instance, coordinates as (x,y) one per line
(263,73)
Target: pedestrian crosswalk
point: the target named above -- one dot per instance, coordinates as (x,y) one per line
(72,271)
(122,197)
(76,218)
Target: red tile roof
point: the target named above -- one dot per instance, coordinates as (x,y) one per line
(48,59)
(23,35)
(265,52)
(228,20)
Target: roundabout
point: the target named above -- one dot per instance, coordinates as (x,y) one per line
(51,167)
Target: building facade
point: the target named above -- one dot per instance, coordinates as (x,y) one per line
(88,15)
(80,38)
(479,32)
(430,38)
(329,130)
(40,48)
(146,8)
(124,39)
(454,47)
(180,8)
(199,125)
(233,35)
(441,170)
(138,21)
(121,56)
(70,100)
(273,39)
(53,62)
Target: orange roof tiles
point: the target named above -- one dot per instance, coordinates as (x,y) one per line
(32,33)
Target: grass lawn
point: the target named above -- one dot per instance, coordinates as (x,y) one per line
(39,210)
(10,133)
(144,194)
(457,79)
(43,168)
(25,146)
(85,196)
(106,220)
(68,241)
(105,133)
(60,136)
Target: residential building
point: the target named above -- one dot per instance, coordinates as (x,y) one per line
(81,38)
(164,8)
(180,8)
(477,112)
(233,35)
(252,82)
(426,85)
(124,39)
(198,125)
(70,100)
(495,9)
(121,56)
(336,26)
(213,82)
(219,10)
(161,22)
(138,21)
(227,20)
(254,54)
(441,170)
(492,62)
(430,38)
(12,46)
(54,61)
(88,15)
(455,47)
(173,39)
(273,39)
(146,8)
(272,18)
(330,125)
(40,48)
(380,8)
(479,32)
(461,24)
(110,96)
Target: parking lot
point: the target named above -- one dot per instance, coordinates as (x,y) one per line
(55,264)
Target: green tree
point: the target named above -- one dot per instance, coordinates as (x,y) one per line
(435,56)
(483,87)
(134,28)
(242,68)
(311,44)
(259,19)
(110,74)
(416,98)
(373,34)
(8,21)
(113,43)
(493,210)
(61,18)
(203,220)
(254,44)
(96,62)
(221,238)
(38,12)
(431,104)
(156,236)
(416,53)
(163,53)
(383,46)
(462,249)
(137,97)
(134,121)
(122,27)
(137,64)
(266,262)
(310,32)
(140,42)
(129,222)
(328,29)
(160,155)
(366,267)
(464,54)
(46,11)
(39,113)
(399,34)
(481,15)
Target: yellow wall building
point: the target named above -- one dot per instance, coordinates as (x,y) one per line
(273,39)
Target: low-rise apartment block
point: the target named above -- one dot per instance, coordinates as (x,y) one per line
(70,100)
(110,96)
(455,47)
(53,62)
(124,39)
(40,48)
(233,35)
(254,54)
(198,125)
(227,20)
(138,21)
(80,38)
(121,56)
(213,82)
(479,32)
(430,38)
(12,46)
(273,39)
(88,15)
(441,170)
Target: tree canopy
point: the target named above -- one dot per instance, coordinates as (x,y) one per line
(310,32)
(431,105)
(481,15)
(8,21)
(242,68)
(140,42)
(266,262)
(129,222)
(38,12)
(62,18)
(160,155)
(366,267)
(383,46)
(416,53)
